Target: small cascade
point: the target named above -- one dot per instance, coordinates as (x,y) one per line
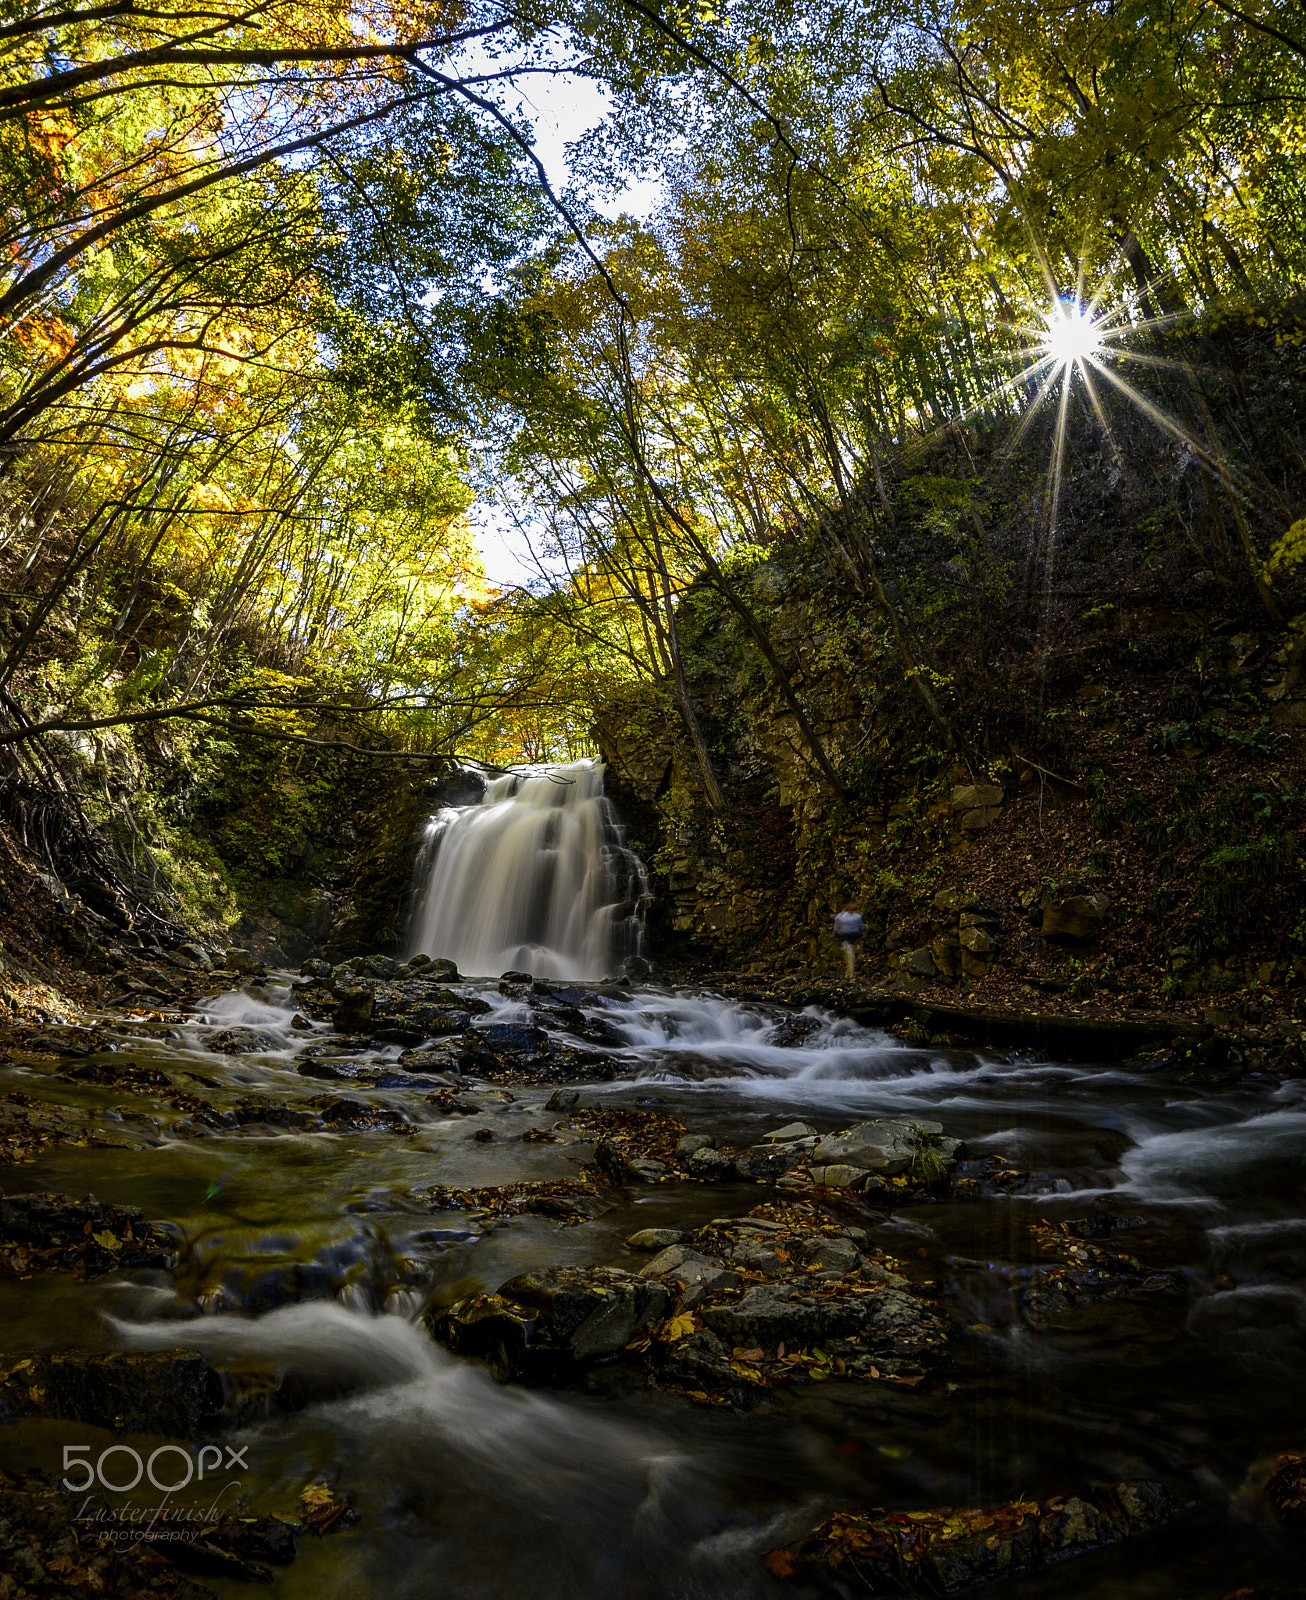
(534,877)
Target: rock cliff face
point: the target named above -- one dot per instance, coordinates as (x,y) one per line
(1149,853)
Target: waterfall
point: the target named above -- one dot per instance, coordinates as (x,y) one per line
(535,877)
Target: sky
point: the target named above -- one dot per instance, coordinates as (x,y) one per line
(560,110)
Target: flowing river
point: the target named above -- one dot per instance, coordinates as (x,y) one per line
(306,1253)
(293,1166)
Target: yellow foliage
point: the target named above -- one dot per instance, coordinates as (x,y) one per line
(1290,551)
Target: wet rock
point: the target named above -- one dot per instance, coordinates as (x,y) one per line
(418,1022)
(759,1258)
(315,968)
(838,1176)
(355,1003)
(442,970)
(559,994)
(376,967)
(888,1324)
(440,1059)
(503,1044)
(47,1221)
(766,1162)
(1076,920)
(243,1042)
(945,1551)
(516,977)
(792,1031)
(649,1171)
(562,1100)
(887,1146)
(654,1238)
(239,960)
(545,1326)
(713,1166)
(1101,1293)
(28,1125)
(841,1255)
(324,1069)
(567,1017)
(53,1041)
(683,1263)
(174,1392)
(790,1132)
(569,1061)
(692,1143)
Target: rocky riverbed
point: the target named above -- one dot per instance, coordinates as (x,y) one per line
(572,1289)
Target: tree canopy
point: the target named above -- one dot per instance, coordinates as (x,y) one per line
(286,289)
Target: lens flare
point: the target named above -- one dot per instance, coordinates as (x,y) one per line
(1072,335)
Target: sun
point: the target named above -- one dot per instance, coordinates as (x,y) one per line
(1072,335)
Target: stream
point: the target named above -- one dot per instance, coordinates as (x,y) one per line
(304,1250)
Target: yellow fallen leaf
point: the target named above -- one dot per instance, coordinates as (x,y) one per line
(680,1327)
(107,1240)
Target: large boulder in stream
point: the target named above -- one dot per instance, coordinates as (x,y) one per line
(887,1147)
(545,1326)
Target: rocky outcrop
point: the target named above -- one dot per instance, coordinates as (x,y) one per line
(1103,866)
(784,1294)
(545,1326)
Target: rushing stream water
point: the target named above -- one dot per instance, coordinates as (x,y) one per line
(310,1255)
(307,1253)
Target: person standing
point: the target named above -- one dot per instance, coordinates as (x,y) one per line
(849,926)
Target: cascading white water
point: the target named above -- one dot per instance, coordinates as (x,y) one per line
(534,877)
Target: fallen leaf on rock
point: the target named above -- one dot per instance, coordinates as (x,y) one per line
(321,1512)
(948,1551)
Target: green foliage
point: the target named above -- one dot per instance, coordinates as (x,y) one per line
(928,1164)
